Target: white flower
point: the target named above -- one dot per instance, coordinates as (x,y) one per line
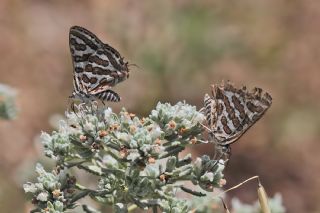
(220,166)
(107,113)
(63,127)
(88,126)
(45,138)
(40,170)
(154,113)
(39,186)
(209,176)
(156,132)
(123,136)
(133,155)
(43,196)
(7,90)
(72,118)
(30,187)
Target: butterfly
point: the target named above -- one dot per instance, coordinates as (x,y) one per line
(97,67)
(230,112)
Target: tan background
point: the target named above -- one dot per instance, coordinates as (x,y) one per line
(182,47)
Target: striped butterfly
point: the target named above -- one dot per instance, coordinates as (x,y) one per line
(97,67)
(230,112)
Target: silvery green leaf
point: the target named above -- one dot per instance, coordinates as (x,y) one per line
(95,168)
(185,170)
(110,162)
(171,164)
(152,171)
(54,208)
(58,206)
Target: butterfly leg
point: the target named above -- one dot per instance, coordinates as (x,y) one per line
(202,110)
(220,153)
(224,154)
(207,128)
(227,153)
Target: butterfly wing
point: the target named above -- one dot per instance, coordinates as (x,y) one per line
(235,111)
(97,66)
(82,44)
(106,68)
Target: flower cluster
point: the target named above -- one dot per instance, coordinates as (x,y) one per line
(7,106)
(136,159)
(211,204)
(53,192)
(275,204)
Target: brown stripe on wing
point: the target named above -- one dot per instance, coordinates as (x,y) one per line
(113,61)
(87,41)
(82,58)
(97,60)
(103,85)
(239,107)
(93,41)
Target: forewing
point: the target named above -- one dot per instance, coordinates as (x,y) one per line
(82,44)
(237,110)
(97,66)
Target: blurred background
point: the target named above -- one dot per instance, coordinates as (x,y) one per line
(181,47)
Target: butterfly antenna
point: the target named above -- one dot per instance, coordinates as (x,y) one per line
(135,65)
(202,110)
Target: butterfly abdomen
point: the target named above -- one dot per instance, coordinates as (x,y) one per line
(108,95)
